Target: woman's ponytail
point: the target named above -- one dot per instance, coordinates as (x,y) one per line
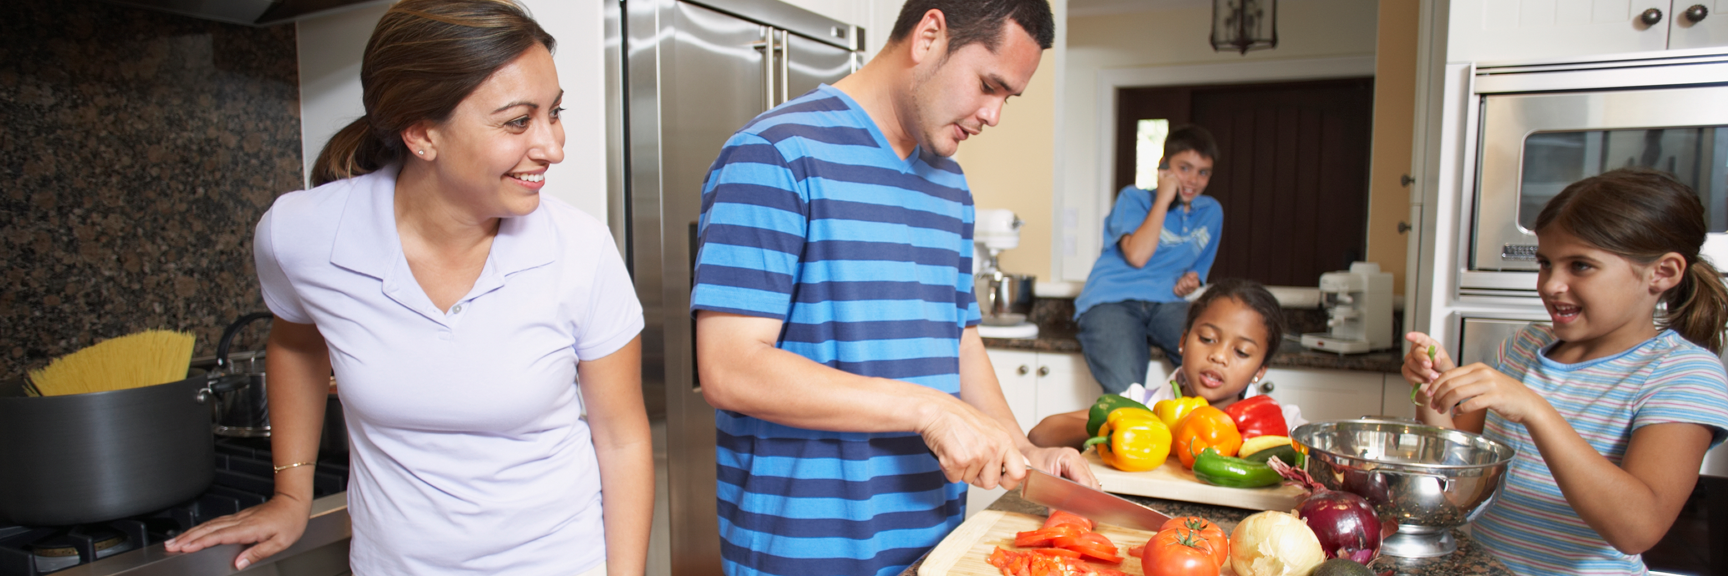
(1698,306)
(353,151)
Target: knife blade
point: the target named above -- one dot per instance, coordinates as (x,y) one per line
(1101,507)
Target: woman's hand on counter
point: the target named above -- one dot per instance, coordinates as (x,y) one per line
(271,527)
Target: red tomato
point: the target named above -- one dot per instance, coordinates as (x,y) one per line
(1062,517)
(1178,552)
(1211,532)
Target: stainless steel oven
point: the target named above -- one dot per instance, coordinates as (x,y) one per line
(1543,127)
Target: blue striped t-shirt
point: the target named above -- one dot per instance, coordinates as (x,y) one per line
(1666,379)
(809,217)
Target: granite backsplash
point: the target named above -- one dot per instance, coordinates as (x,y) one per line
(137,150)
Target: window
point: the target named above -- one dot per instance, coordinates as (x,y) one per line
(1148,151)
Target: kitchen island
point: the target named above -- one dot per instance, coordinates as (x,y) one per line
(1469,560)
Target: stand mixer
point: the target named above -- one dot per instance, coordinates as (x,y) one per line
(1358,303)
(1004,299)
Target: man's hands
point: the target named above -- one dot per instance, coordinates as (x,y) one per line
(1062,461)
(972,447)
(1187,284)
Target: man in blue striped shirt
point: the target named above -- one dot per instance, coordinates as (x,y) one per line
(835,316)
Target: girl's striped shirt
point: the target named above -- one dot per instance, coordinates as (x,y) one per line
(1666,379)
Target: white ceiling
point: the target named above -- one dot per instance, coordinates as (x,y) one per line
(1083,8)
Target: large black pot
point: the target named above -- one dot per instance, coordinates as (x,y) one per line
(106,455)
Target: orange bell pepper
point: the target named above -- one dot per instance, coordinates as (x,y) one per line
(1206,427)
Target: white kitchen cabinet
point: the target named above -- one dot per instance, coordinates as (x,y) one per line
(1711,31)
(1501,30)
(1396,398)
(1326,394)
(1017,372)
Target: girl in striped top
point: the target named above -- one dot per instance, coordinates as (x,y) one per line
(1612,407)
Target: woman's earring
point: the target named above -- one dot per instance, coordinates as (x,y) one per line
(420,152)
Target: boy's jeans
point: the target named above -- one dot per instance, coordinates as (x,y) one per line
(1116,339)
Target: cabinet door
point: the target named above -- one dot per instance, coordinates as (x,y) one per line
(1396,398)
(1500,30)
(1065,384)
(1326,394)
(1711,31)
(1015,371)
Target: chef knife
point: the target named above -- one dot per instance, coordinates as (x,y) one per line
(1101,507)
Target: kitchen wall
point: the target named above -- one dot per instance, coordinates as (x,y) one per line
(137,150)
(1113,36)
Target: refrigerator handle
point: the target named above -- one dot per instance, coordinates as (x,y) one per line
(766,45)
(785,65)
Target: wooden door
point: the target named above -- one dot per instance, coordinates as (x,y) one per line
(1292,173)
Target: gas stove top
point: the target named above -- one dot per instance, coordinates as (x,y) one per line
(243,479)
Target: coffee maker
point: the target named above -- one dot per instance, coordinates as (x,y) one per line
(1358,306)
(1004,299)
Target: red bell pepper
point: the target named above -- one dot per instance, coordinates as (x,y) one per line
(1258,416)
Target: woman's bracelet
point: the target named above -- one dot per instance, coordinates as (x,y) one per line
(279,469)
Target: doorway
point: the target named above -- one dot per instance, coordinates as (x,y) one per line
(1292,174)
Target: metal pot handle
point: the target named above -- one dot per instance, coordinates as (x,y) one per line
(221,384)
(222,364)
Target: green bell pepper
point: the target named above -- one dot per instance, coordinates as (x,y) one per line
(1104,406)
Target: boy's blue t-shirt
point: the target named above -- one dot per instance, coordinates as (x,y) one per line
(1189,241)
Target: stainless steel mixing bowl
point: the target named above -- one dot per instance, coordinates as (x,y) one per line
(1430,480)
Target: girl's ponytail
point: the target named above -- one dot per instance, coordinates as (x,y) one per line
(1698,306)
(354,150)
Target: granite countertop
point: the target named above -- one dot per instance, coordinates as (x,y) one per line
(1290,354)
(1470,559)
(1057,332)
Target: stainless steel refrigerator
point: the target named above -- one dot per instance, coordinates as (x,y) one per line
(682,77)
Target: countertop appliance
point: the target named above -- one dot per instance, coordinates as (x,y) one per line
(682,77)
(133,545)
(1358,305)
(1004,299)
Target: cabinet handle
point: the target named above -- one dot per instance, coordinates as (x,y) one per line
(1696,13)
(1023,370)
(1266,387)
(1043,370)
(1650,17)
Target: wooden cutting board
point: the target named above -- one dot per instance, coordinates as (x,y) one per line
(1173,482)
(963,552)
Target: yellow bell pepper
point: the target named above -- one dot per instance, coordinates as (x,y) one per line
(1172,412)
(1132,440)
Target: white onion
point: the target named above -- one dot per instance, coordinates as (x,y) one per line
(1274,544)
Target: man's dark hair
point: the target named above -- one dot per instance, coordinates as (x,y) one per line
(1187,138)
(979,21)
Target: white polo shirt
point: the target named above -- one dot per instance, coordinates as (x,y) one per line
(469,454)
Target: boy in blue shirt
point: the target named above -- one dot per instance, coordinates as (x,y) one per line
(1158,248)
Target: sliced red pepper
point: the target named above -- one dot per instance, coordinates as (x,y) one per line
(1042,536)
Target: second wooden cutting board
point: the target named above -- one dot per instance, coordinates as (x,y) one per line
(963,552)
(1173,482)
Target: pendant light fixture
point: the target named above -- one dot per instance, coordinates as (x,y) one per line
(1243,25)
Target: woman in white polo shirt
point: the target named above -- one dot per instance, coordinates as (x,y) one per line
(469,320)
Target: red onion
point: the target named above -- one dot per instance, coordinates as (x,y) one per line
(1345,523)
